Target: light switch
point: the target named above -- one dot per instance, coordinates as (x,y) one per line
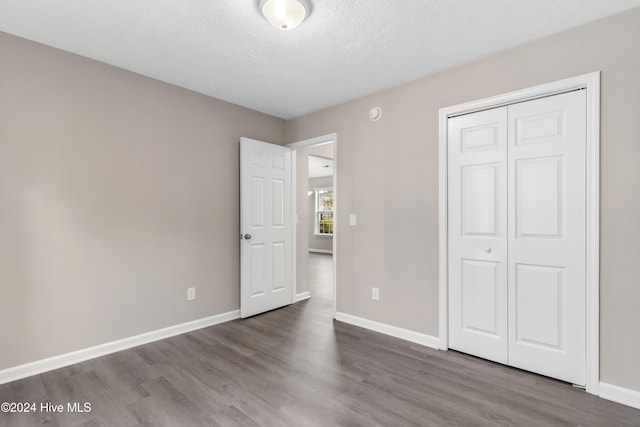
(352,219)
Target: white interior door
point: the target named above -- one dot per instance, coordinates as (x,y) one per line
(265,226)
(477,208)
(517,231)
(547,223)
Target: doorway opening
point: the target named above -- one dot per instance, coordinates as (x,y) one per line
(315,212)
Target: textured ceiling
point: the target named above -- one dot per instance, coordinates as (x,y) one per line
(345,50)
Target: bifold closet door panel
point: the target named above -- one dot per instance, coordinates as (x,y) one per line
(477,206)
(546,229)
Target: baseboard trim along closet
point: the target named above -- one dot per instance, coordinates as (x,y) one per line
(394,331)
(60,361)
(303,296)
(624,396)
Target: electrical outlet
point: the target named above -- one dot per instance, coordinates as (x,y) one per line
(375,294)
(352,219)
(191,294)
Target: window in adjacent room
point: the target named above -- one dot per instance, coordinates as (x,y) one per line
(324,211)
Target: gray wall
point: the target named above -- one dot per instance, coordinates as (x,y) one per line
(395,244)
(117,192)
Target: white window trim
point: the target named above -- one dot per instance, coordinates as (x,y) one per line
(316,221)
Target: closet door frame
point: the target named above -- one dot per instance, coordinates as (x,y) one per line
(591,83)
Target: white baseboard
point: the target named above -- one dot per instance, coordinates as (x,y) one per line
(303,296)
(394,331)
(60,361)
(622,395)
(321,251)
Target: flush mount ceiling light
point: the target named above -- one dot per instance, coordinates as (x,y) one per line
(285,14)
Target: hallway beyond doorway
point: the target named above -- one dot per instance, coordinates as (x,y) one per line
(321,281)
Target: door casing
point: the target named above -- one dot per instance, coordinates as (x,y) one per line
(590,82)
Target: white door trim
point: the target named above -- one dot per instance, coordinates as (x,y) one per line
(322,139)
(590,82)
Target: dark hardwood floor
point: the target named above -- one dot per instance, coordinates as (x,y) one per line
(297,367)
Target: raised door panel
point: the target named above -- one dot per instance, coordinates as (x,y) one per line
(277,205)
(544,127)
(480,311)
(257,272)
(479,205)
(480,137)
(278,161)
(257,202)
(540,306)
(540,197)
(277,270)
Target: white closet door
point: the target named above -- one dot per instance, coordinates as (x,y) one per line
(477,175)
(546,199)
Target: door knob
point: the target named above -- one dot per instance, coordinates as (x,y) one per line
(488,250)
(247,236)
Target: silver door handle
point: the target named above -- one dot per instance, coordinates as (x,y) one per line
(247,236)
(488,250)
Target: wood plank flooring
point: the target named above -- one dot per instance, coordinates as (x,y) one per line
(297,367)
